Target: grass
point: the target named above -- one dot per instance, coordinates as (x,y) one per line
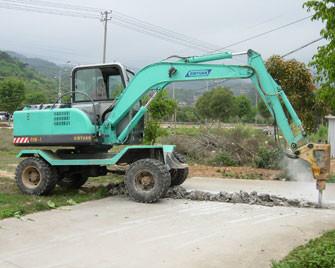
(15,204)
(317,253)
(331,179)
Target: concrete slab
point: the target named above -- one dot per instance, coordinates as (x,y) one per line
(116,232)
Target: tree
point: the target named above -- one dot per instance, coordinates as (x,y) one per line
(35,98)
(217,104)
(263,110)
(323,60)
(245,110)
(160,108)
(324,10)
(11,94)
(187,114)
(297,82)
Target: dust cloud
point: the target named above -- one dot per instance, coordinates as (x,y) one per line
(297,169)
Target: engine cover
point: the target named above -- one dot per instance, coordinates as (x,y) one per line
(61,126)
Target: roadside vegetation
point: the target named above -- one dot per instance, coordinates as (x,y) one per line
(15,204)
(319,252)
(237,146)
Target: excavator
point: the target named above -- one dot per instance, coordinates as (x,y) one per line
(102,127)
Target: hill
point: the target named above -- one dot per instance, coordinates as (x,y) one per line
(44,67)
(41,75)
(34,81)
(188,92)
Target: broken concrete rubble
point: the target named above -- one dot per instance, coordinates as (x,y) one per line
(253,198)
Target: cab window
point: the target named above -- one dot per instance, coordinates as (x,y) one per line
(104,83)
(115,86)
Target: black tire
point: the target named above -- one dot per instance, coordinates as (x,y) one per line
(178,176)
(73,182)
(34,176)
(147,180)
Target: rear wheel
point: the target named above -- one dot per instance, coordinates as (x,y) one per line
(35,176)
(147,180)
(75,181)
(178,176)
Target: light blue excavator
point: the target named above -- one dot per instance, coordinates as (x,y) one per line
(107,110)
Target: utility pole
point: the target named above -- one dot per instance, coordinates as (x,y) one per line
(256,107)
(105,17)
(59,86)
(175,110)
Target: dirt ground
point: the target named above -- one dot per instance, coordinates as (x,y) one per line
(6,174)
(241,172)
(217,172)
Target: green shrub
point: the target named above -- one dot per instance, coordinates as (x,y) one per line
(238,146)
(223,159)
(152,131)
(268,157)
(320,135)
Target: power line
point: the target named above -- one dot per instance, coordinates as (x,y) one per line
(263,33)
(60,5)
(128,19)
(118,17)
(48,11)
(132,23)
(302,47)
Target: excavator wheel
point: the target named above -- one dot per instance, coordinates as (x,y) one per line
(35,176)
(73,182)
(147,180)
(178,176)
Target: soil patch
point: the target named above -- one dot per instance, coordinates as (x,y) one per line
(6,174)
(234,172)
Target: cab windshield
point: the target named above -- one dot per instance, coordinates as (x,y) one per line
(104,83)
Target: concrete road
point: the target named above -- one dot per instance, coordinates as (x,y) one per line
(115,232)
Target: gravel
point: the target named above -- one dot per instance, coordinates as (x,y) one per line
(253,198)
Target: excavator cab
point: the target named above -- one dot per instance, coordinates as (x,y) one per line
(95,91)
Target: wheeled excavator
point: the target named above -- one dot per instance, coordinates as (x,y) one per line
(102,126)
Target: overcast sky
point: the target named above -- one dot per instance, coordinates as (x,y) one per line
(218,22)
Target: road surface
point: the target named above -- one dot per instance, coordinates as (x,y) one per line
(115,232)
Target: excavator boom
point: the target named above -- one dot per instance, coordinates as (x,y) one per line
(157,76)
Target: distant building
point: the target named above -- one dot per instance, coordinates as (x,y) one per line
(331,134)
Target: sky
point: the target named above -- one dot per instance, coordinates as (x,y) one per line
(219,22)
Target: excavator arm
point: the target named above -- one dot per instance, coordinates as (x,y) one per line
(157,76)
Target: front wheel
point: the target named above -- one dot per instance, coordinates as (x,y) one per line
(35,176)
(147,180)
(178,176)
